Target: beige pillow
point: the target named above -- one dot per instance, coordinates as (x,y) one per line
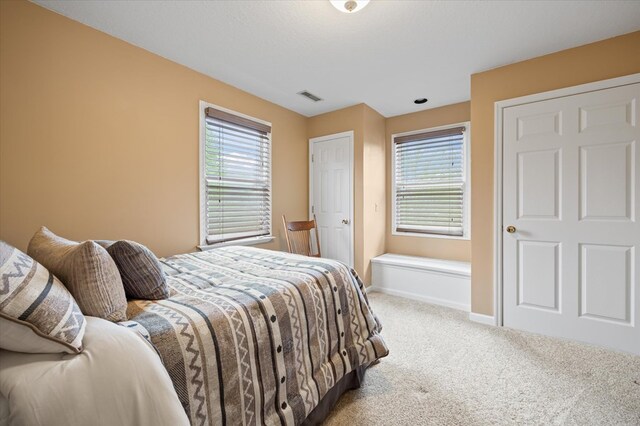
(37,313)
(86,269)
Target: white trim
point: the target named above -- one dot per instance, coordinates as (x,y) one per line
(500,106)
(242,242)
(421,235)
(202,225)
(466,146)
(573,90)
(202,105)
(497,218)
(420,298)
(350,135)
(482,319)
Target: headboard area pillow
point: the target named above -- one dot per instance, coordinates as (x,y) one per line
(141,272)
(86,269)
(37,312)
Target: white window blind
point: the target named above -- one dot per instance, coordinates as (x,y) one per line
(430,182)
(237,173)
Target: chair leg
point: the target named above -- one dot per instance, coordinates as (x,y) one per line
(286,233)
(315,227)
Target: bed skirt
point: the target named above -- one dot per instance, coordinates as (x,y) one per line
(350,381)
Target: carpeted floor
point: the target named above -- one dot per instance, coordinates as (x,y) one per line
(446,370)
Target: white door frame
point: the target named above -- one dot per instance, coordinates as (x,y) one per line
(498,168)
(348,134)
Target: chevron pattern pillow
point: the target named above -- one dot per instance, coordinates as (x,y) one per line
(37,312)
(141,272)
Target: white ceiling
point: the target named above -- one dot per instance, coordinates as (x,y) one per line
(386,55)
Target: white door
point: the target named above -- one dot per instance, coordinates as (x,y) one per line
(571,191)
(331,194)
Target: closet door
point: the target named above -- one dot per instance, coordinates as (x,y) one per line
(570,204)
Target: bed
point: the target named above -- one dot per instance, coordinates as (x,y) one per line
(247,336)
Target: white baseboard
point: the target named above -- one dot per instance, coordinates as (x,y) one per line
(421,298)
(482,319)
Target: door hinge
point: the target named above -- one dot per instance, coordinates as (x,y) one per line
(313,210)
(312,155)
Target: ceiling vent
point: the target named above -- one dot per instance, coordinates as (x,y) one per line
(310,96)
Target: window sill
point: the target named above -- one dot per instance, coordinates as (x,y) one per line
(446,237)
(241,242)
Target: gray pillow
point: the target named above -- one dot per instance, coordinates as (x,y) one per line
(37,312)
(87,270)
(141,272)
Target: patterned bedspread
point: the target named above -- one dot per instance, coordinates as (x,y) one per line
(252,336)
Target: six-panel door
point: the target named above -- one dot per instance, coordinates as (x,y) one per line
(332,196)
(570,189)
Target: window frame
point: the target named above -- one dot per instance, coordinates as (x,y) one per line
(204,244)
(466,173)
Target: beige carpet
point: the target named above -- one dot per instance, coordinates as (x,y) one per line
(446,370)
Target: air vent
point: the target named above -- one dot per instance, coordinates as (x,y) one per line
(310,96)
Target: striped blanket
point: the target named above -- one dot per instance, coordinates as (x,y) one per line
(252,336)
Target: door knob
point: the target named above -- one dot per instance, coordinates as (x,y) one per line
(511,229)
(345,221)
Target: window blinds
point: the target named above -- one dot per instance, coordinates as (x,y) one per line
(237,163)
(429,182)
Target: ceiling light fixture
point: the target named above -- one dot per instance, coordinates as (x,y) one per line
(420,101)
(349,6)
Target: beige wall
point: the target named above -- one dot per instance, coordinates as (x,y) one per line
(598,61)
(374,189)
(368,151)
(343,120)
(100,138)
(439,248)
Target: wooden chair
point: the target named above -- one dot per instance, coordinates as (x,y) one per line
(298,236)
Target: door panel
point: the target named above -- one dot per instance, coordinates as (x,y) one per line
(539,184)
(594,115)
(331,200)
(606,181)
(538,275)
(605,282)
(570,190)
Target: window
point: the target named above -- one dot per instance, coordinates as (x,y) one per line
(430,191)
(235,177)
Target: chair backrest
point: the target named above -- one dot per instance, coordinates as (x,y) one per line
(298,236)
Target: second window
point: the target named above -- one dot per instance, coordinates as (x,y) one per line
(430,188)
